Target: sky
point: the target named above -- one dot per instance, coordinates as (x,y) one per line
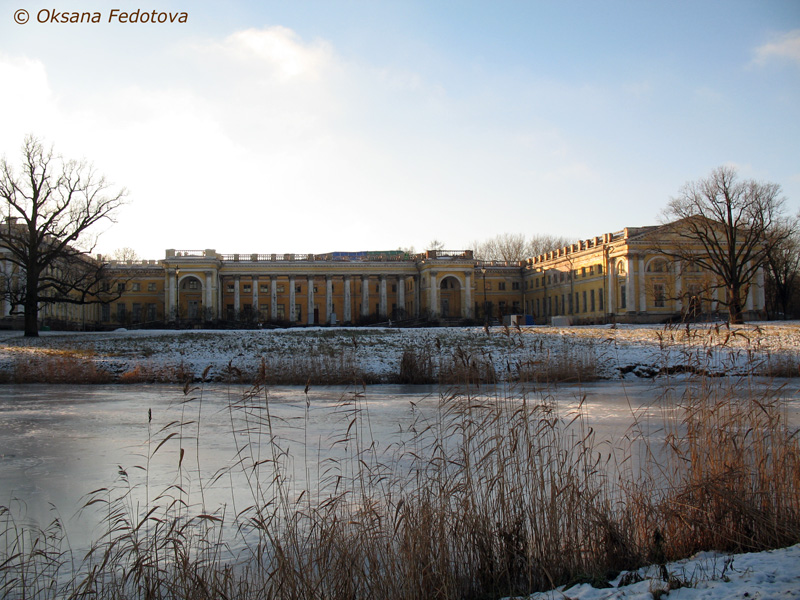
(310,127)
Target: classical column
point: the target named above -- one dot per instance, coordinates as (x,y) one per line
(678,285)
(382,306)
(209,297)
(328,298)
(401,295)
(256,313)
(273,298)
(292,310)
(612,288)
(364,296)
(642,287)
(310,316)
(760,302)
(172,285)
(466,308)
(630,296)
(220,297)
(347,317)
(748,302)
(236,298)
(433,306)
(417,296)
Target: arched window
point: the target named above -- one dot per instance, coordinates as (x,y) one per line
(659,265)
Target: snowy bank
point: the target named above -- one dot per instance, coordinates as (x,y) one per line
(588,352)
(770,575)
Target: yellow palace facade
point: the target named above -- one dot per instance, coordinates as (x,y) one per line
(621,276)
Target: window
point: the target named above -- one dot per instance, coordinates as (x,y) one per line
(570,304)
(121,312)
(394,287)
(658,266)
(136,312)
(151,287)
(515,285)
(280,289)
(247,287)
(105,312)
(281,312)
(515,307)
(229,288)
(591,270)
(297,289)
(691,267)
(600,271)
(151,311)
(585,307)
(591,300)
(501,285)
(561,276)
(263,288)
(298,312)
(136,287)
(537,282)
(193,284)
(583,273)
(623,297)
(600,298)
(120,287)
(263,309)
(659,296)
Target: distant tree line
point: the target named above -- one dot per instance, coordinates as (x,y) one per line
(509,247)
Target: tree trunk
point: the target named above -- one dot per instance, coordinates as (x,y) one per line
(735,306)
(31,317)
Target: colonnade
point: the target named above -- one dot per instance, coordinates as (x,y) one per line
(635,279)
(216,297)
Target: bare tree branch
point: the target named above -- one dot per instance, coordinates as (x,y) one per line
(51,206)
(726,227)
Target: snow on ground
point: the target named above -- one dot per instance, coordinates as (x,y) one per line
(609,351)
(770,575)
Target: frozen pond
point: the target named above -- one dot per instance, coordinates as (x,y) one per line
(59,443)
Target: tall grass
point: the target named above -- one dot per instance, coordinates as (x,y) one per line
(496,491)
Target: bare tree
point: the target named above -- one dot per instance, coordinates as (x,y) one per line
(727,227)
(783,266)
(510,247)
(125,254)
(435,244)
(51,207)
(545,242)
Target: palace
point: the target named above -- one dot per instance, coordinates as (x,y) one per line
(621,277)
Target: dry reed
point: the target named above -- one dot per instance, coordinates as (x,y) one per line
(496,493)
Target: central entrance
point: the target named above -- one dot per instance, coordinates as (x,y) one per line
(190,301)
(450,297)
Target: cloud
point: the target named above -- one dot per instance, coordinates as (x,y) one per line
(28,104)
(275,52)
(783,47)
